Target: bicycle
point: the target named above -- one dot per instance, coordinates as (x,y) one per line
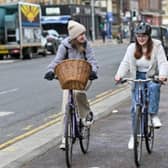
(143,129)
(74,128)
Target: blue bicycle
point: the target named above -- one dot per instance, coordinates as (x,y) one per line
(143,128)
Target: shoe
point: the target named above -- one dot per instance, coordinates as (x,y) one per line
(131,143)
(62,146)
(88,120)
(156,121)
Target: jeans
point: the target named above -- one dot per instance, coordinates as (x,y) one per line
(153,93)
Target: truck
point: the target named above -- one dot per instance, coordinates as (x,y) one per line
(20,29)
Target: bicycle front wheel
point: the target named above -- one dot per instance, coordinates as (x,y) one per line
(68,137)
(149,134)
(138,136)
(84,137)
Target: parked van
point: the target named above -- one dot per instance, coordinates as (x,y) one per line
(161,33)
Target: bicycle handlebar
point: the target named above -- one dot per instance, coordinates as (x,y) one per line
(155,79)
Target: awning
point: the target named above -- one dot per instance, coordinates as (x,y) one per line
(55,19)
(152,12)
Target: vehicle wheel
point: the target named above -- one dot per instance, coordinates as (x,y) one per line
(84,137)
(16,56)
(1,56)
(27,53)
(68,137)
(149,135)
(138,136)
(54,49)
(44,53)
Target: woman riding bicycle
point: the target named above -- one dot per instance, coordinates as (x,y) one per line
(145,59)
(75,46)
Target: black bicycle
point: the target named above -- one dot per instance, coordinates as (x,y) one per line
(143,128)
(74,128)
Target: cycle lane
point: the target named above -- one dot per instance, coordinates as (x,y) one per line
(108,145)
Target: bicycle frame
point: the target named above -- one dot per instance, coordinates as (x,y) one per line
(71,104)
(142,99)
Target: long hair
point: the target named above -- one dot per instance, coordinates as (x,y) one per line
(138,49)
(78,46)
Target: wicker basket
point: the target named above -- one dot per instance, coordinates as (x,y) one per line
(73,73)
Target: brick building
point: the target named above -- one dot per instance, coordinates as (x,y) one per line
(151,11)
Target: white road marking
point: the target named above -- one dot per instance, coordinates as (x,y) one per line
(115,111)
(5,113)
(7,61)
(8,91)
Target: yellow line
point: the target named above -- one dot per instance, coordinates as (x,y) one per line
(57,117)
(14,140)
(107,94)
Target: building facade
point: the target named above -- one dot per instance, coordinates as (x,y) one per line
(151,11)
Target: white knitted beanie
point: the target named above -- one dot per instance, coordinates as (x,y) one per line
(75,29)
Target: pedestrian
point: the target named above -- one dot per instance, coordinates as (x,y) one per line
(103,34)
(144,58)
(75,46)
(90,34)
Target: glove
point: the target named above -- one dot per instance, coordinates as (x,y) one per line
(93,75)
(49,75)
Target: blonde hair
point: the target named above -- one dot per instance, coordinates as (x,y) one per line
(78,46)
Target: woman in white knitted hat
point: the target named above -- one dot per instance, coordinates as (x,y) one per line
(75,46)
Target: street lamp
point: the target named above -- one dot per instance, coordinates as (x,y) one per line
(93,19)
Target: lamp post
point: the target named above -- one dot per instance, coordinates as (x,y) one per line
(93,19)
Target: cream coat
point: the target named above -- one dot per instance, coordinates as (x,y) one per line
(158,62)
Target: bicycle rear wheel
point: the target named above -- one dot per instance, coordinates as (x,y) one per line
(68,137)
(149,134)
(138,136)
(84,137)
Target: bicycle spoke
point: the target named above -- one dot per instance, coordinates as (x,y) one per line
(84,137)
(68,139)
(138,136)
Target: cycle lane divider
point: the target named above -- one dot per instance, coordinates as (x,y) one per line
(25,147)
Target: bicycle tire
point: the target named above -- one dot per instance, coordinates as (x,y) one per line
(68,137)
(138,136)
(149,134)
(84,138)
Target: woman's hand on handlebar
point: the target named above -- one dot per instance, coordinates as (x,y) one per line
(49,75)
(93,75)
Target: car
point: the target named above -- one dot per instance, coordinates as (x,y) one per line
(161,33)
(53,39)
(42,50)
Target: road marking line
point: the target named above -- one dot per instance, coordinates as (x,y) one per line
(7,61)
(107,94)
(5,113)
(10,149)
(33,131)
(115,111)
(9,91)
(56,120)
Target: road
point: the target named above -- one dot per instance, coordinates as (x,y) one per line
(27,100)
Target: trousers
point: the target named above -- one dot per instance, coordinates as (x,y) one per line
(81,101)
(153,93)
